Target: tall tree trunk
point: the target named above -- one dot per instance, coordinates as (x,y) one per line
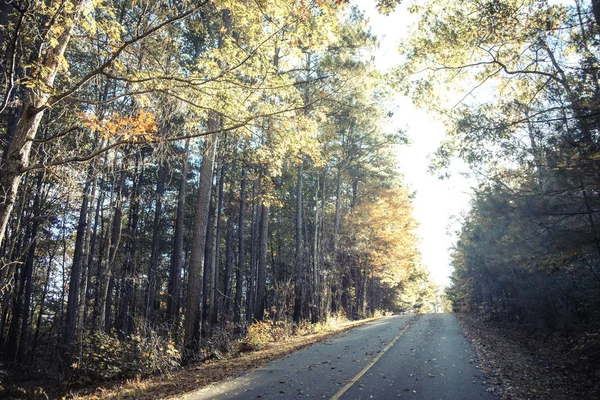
(154,259)
(229,254)
(17,338)
(126,308)
(74,281)
(92,251)
(16,156)
(239,275)
(207,277)
(196,264)
(108,321)
(596,10)
(338,207)
(299,258)
(251,294)
(215,265)
(174,287)
(6,9)
(111,253)
(261,278)
(41,307)
(9,250)
(192,310)
(316,271)
(364,281)
(28,273)
(324,276)
(28,279)
(87,260)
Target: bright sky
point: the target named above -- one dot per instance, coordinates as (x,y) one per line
(437,202)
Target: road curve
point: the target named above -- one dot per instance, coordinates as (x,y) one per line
(409,357)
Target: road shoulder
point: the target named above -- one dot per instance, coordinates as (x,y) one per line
(195,377)
(521,367)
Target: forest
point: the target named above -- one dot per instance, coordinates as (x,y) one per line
(521,101)
(179,175)
(175,171)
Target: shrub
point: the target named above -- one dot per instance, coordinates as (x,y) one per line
(219,345)
(257,337)
(107,357)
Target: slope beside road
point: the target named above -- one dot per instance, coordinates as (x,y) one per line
(409,357)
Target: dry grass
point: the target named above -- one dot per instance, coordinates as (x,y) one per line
(195,377)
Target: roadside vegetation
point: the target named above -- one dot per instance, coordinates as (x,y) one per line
(184,181)
(521,101)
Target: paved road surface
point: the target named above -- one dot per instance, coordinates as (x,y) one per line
(423,357)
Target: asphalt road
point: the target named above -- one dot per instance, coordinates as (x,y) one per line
(409,357)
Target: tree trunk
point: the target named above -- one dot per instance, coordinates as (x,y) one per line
(196,265)
(16,156)
(154,259)
(215,264)
(192,310)
(299,259)
(596,10)
(177,257)
(323,277)
(17,338)
(338,214)
(97,222)
(261,279)
(229,256)
(126,308)
(87,260)
(251,294)
(316,281)
(74,281)
(239,276)
(42,306)
(207,277)
(111,252)
(28,279)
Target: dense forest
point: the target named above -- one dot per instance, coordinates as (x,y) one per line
(178,174)
(522,107)
(174,171)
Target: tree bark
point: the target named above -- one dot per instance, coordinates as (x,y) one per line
(239,276)
(16,341)
(87,260)
(112,243)
(261,279)
(74,281)
(16,156)
(229,256)
(196,265)
(126,308)
(154,259)
(251,293)
(215,264)
(596,10)
(177,257)
(299,259)
(206,276)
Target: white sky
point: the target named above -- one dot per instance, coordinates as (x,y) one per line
(437,202)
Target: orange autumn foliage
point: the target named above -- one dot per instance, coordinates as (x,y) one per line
(136,128)
(382,228)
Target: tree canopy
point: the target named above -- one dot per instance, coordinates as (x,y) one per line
(173,172)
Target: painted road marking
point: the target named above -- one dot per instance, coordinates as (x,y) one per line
(366,368)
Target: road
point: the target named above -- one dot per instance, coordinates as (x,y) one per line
(409,357)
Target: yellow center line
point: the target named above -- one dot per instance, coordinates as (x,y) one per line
(366,368)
